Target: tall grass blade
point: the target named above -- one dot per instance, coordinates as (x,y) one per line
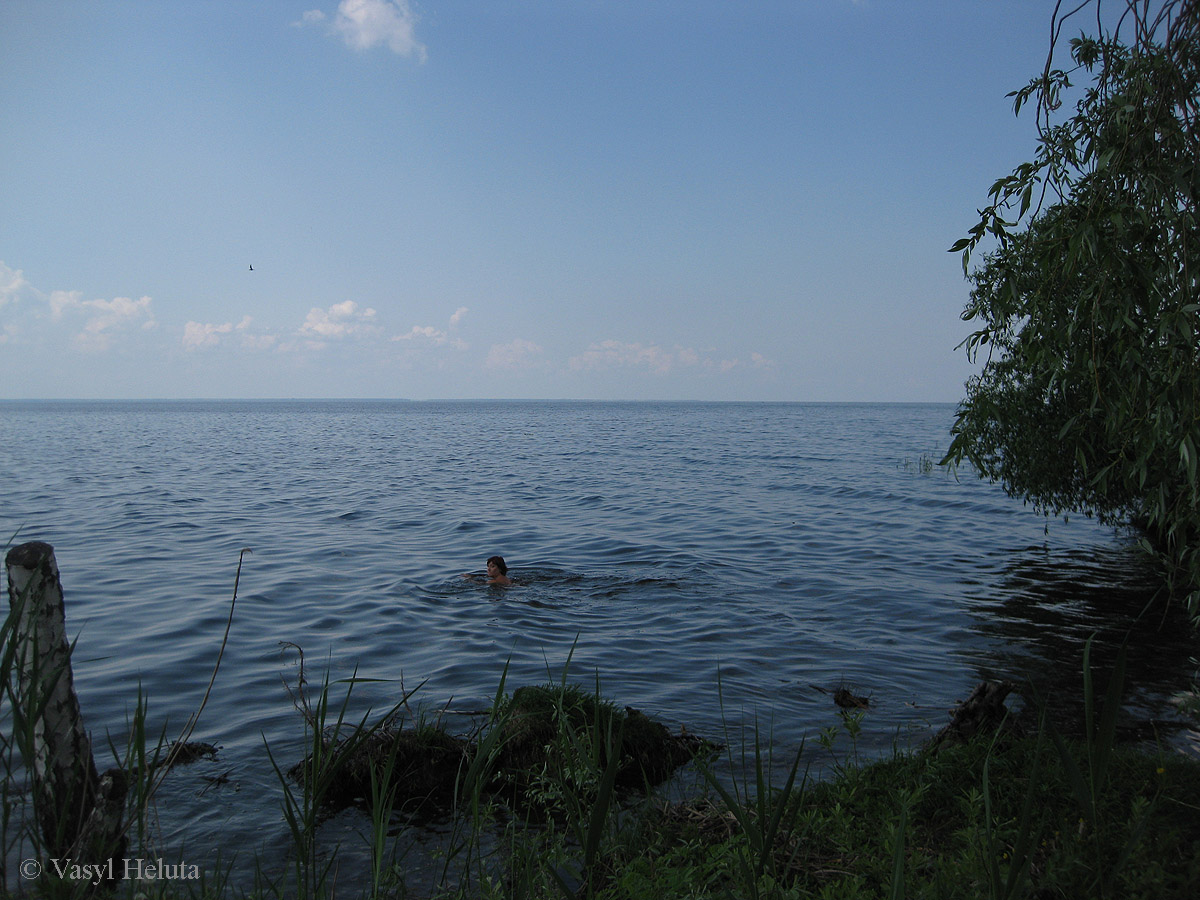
(990,851)
(1107,735)
(898,848)
(780,806)
(1022,856)
(604,797)
(1079,785)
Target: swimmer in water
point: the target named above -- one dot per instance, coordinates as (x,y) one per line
(497,571)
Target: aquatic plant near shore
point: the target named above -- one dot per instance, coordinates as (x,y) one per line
(554,758)
(328,775)
(764,816)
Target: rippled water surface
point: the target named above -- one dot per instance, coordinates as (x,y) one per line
(714,564)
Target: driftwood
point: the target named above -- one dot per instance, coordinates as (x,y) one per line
(981,712)
(846,700)
(79,811)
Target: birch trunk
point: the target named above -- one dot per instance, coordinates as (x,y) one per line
(79,813)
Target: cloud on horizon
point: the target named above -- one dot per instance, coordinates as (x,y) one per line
(429,334)
(98,321)
(33,321)
(515,355)
(342,320)
(199,335)
(609,355)
(12,284)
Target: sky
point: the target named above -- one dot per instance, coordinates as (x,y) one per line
(561,199)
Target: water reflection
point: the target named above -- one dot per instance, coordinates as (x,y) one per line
(1051,602)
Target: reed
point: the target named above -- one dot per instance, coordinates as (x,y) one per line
(311,788)
(1089,782)
(922,465)
(1002,886)
(763,814)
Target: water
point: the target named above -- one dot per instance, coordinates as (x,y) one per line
(714,564)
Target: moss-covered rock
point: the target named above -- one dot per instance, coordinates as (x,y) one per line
(424,767)
(553,738)
(541,722)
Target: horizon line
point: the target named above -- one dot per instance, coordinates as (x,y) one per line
(452,400)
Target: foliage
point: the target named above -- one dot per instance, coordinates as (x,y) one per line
(1089,398)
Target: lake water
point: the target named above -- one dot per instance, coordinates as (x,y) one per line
(713,564)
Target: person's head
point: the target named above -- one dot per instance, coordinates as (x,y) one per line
(498,563)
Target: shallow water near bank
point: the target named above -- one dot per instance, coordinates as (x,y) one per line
(714,565)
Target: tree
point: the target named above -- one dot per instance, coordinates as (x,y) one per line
(1087,305)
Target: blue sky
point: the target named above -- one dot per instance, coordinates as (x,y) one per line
(513,198)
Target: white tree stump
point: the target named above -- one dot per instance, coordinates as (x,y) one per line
(80,814)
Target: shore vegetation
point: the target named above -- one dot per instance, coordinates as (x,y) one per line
(552,797)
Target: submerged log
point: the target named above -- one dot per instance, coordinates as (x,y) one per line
(846,700)
(982,712)
(79,811)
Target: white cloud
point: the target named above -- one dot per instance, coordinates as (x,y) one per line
(118,312)
(12,284)
(619,354)
(517,354)
(312,17)
(652,357)
(198,334)
(428,333)
(60,301)
(104,317)
(99,320)
(339,321)
(364,24)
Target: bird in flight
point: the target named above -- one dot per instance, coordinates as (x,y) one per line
(251,267)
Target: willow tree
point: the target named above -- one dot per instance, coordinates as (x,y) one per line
(1086,307)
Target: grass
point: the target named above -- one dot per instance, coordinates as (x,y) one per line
(551,798)
(922,465)
(997,817)
(949,825)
